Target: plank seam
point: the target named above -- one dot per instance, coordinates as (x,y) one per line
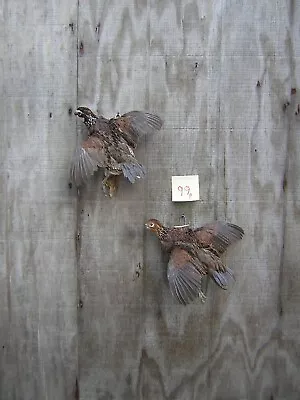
(78,219)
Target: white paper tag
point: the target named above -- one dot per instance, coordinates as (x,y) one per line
(185,188)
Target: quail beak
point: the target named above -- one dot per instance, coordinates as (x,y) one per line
(147,226)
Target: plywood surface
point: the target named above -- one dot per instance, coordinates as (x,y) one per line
(86,312)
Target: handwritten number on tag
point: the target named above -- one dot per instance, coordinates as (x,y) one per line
(185,190)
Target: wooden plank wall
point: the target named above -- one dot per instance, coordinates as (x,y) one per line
(38,273)
(76,320)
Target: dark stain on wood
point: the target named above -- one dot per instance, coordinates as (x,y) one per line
(81,49)
(80,304)
(76,390)
(285,105)
(159,314)
(284,183)
(138,271)
(97,29)
(292,11)
(128,379)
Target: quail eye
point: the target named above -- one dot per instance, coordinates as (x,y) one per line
(151,225)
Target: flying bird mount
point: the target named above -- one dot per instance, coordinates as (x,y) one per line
(195,253)
(110,145)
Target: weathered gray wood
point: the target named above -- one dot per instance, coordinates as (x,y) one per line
(249,349)
(197,64)
(130,326)
(204,63)
(38,273)
(288,359)
(111,319)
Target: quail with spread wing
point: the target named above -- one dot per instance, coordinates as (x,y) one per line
(195,253)
(110,145)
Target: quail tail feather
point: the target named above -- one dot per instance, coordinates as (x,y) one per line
(133,171)
(222,278)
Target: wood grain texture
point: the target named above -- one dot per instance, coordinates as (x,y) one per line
(111,318)
(251,354)
(203,65)
(288,362)
(135,341)
(197,64)
(38,273)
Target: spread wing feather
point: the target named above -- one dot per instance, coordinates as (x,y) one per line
(87,158)
(218,235)
(134,124)
(183,276)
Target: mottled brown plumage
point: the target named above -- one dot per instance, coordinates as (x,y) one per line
(195,253)
(110,145)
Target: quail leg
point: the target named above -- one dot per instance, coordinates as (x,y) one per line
(110,185)
(202,296)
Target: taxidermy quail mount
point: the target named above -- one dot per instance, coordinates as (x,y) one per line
(194,253)
(110,145)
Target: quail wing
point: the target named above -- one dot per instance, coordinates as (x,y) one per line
(218,235)
(87,158)
(134,124)
(184,275)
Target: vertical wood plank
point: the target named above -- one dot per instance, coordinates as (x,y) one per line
(163,348)
(253,141)
(38,278)
(184,84)
(288,362)
(113,76)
